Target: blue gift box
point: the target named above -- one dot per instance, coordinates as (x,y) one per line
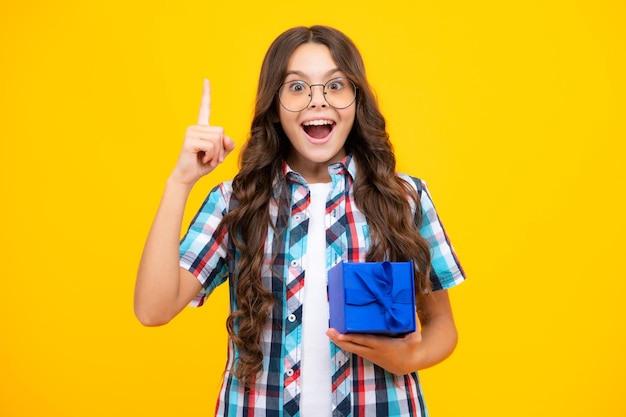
(372,297)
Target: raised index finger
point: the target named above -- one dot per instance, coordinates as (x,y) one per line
(205,104)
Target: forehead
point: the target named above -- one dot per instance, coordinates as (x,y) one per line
(312,60)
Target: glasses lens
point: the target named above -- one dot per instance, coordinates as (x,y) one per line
(340,92)
(294,95)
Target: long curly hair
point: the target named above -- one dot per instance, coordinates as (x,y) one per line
(383,197)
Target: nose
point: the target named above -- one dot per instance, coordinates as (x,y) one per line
(317,96)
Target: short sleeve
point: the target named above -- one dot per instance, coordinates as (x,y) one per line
(446,271)
(204,248)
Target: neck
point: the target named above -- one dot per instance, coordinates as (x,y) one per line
(312,171)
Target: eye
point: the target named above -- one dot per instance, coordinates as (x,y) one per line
(336,84)
(296,86)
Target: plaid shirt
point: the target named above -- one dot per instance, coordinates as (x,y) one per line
(359,388)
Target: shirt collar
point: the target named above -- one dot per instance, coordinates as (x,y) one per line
(347,166)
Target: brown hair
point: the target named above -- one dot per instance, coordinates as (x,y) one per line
(379,193)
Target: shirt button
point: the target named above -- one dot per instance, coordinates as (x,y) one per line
(295,263)
(291,318)
(289,372)
(297,217)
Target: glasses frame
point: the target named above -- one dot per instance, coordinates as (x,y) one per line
(311,93)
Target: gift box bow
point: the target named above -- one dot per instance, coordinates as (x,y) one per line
(376,286)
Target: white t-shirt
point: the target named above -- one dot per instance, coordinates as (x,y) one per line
(315,397)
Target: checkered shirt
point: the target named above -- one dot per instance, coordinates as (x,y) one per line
(359,388)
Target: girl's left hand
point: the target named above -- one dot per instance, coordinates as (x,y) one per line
(434,341)
(396,355)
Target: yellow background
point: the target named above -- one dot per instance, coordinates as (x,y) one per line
(512,111)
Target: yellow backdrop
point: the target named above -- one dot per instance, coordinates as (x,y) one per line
(512,112)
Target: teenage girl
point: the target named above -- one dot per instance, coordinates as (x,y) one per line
(317,185)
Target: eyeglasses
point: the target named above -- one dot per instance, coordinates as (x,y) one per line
(296,95)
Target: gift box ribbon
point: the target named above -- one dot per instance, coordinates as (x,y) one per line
(376,286)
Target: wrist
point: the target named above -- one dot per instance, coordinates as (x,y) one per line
(179,182)
(176,187)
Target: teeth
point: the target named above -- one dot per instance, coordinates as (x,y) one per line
(318,122)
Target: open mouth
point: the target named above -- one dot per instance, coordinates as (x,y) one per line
(318,129)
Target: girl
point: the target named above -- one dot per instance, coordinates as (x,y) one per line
(317,185)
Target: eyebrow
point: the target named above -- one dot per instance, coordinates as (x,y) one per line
(303,75)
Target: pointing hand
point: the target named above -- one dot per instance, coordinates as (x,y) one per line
(205,146)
